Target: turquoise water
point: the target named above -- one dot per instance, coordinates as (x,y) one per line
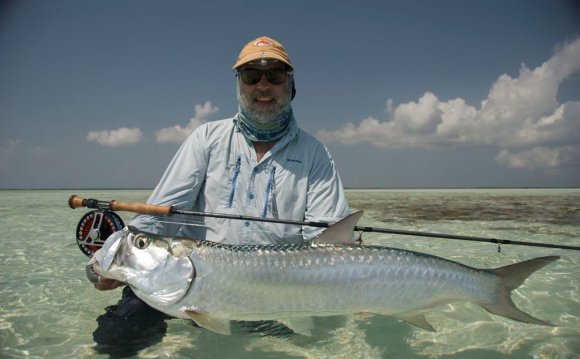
(48,309)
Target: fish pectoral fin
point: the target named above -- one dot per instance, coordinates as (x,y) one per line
(416,319)
(213,324)
(299,325)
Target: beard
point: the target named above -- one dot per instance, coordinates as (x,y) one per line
(263,115)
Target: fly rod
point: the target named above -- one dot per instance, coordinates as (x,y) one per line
(75,201)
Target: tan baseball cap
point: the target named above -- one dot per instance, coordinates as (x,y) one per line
(263,48)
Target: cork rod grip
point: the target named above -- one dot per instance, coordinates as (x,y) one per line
(75,201)
(142,208)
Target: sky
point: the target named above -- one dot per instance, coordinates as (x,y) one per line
(405,94)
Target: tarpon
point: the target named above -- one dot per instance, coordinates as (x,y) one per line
(214,284)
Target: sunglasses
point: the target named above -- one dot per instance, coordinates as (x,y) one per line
(274,76)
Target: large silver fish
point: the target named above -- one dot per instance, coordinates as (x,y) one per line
(215,283)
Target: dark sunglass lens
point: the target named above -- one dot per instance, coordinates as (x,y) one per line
(251,76)
(276,76)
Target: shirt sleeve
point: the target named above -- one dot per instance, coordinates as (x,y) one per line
(326,201)
(180,185)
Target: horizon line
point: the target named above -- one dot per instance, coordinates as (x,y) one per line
(346,188)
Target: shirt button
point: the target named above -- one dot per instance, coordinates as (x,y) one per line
(251,195)
(247,223)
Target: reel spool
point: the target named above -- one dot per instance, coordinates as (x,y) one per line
(94,228)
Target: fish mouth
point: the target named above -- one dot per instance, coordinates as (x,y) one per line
(106,255)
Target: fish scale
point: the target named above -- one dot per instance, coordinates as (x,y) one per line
(312,274)
(216,283)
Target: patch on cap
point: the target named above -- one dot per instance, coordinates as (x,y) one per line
(263,42)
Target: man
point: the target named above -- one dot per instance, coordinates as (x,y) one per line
(258,163)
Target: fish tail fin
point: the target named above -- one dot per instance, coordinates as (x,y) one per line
(512,276)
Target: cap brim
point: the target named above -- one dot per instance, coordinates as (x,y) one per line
(261,55)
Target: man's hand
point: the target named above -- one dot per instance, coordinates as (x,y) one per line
(101,283)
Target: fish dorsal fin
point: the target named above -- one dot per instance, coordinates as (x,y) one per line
(216,325)
(340,232)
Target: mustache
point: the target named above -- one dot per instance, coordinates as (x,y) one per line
(264,93)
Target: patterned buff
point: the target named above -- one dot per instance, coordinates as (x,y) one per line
(263,132)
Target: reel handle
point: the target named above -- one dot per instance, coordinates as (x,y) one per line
(75,201)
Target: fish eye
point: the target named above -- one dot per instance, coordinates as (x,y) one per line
(141,242)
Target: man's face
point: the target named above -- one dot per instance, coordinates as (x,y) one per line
(264,101)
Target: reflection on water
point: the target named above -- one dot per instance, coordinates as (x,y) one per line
(49,310)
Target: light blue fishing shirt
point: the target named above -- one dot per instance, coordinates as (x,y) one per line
(216,170)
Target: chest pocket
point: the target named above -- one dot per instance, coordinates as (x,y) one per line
(294,166)
(288,173)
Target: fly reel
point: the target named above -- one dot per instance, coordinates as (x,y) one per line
(94,228)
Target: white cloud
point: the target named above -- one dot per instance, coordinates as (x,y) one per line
(14,149)
(540,157)
(177,133)
(537,157)
(116,138)
(520,114)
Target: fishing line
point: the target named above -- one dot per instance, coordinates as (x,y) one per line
(230,227)
(193,224)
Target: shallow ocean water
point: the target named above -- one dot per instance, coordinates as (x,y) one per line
(48,309)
